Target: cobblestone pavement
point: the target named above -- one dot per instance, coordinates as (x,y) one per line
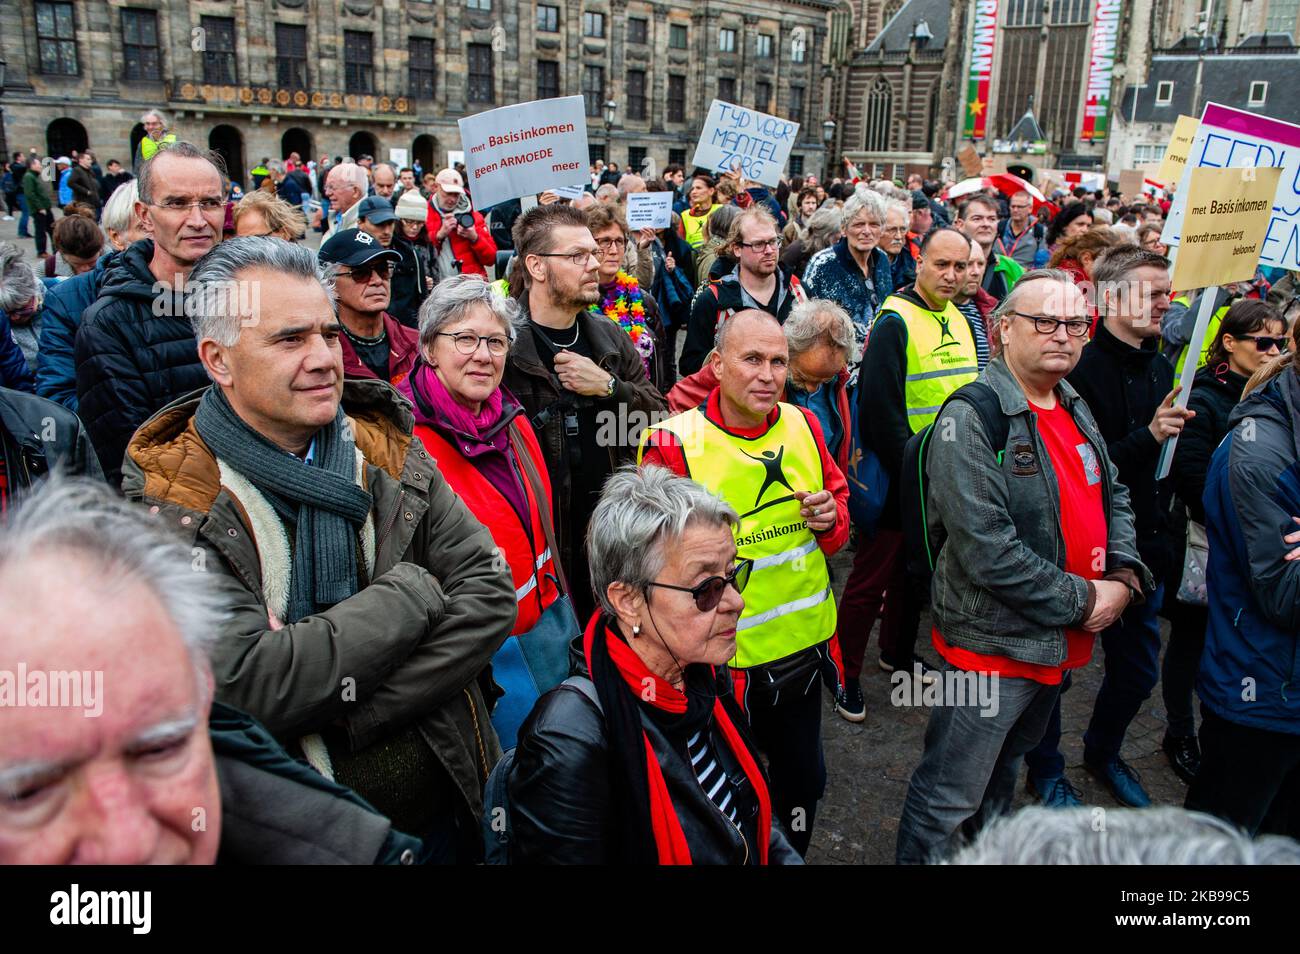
(869,764)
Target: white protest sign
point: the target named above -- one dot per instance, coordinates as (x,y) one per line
(524,149)
(649,210)
(1234,138)
(757,143)
(454,156)
(397,157)
(568,192)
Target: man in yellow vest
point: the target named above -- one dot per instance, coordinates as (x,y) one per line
(919,350)
(769,461)
(155,137)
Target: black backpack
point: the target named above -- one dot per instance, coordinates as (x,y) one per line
(920,546)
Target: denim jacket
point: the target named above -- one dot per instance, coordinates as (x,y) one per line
(999,585)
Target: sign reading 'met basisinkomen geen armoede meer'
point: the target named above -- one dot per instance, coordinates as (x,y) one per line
(524,149)
(755,143)
(1234,138)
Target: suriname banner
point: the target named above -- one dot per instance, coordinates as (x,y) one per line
(1096,106)
(981,68)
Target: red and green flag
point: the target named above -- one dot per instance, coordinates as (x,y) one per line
(1105,36)
(981,68)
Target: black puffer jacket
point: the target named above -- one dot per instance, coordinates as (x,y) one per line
(1214,395)
(1123,386)
(135,354)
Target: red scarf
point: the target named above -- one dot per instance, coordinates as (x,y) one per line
(669,837)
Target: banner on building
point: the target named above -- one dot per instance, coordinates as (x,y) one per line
(523,149)
(981,68)
(1096,104)
(1234,138)
(735,137)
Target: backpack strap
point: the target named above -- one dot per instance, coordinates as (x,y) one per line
(585,686)
(984,400)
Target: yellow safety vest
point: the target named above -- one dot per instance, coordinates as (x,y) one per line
(1211,336)
(789,605)
(693,226)
(148,147)
(941,357)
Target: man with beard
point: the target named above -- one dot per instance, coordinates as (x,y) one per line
(577,374)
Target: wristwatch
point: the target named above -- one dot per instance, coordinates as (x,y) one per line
(609,388)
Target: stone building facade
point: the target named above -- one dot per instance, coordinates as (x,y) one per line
(262,78)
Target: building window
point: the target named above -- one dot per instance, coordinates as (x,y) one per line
(1164,93)
(637,30)
(676,157)
(593,89)
(219,50)
(635,157)
(763,96)
(1258,93)
(1146,154)
(548,18)
(727,40)
(548,79)
(799,45)
(291,56)
(880,105)
(795,112)
(1280,16)
(140,44)
(677,99)
(726,89)
(676,36)
(56,39)
(593,24)
(358,62)
(796,165)
(636,102)
(482,86)
(421,64)
(763,46)
(479,5)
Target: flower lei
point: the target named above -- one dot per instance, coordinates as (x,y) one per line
(623,306)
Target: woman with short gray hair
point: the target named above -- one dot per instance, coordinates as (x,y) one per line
(487,451)
(645,756)
(22,294)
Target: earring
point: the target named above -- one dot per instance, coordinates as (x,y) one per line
(636,630)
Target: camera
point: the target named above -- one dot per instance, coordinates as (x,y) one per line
(465,220)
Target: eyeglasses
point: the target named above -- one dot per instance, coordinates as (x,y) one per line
(762,246)
(579,258)
(708,594)
(206,204)
(1264,342)
(606,244)
(1074,327)
(362,273)
(467,343)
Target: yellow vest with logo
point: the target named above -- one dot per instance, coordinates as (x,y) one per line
(789,605)
(941,357)
(1211,336)
(148,147)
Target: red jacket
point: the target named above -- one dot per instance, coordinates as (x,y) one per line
(475,257)
(532,565)
(403,349)
(664,450)
(692,390)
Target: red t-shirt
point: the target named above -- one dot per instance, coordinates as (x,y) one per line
(1083,524)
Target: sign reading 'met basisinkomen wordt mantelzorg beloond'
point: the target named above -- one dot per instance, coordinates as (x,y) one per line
(524,149)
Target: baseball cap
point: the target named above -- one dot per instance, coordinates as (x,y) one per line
(449,181)
(376,210)
(354,247)
(62,160)
(412,206)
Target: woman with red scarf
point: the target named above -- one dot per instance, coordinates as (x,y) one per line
(645,758)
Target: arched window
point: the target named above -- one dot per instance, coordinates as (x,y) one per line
(879,112)
(887,14)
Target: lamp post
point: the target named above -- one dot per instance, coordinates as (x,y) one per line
(611,108)
(828,137)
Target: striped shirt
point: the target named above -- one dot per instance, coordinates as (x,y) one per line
(712,778)
(976,322)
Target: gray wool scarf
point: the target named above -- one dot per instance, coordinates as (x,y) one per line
(321,505)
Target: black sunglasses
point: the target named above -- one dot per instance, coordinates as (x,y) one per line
(708,594)
(362,273)
(1265,342)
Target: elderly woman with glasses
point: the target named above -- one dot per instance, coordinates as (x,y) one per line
(487,451)
(645,758)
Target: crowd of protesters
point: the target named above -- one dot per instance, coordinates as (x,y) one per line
(515,523)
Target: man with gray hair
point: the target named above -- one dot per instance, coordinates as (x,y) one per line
(1035,556)
(156,137)
(135,348)
(364,599)
(218,787)
(345,186)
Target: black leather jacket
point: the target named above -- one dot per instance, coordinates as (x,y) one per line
(560,800)
(37,435)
